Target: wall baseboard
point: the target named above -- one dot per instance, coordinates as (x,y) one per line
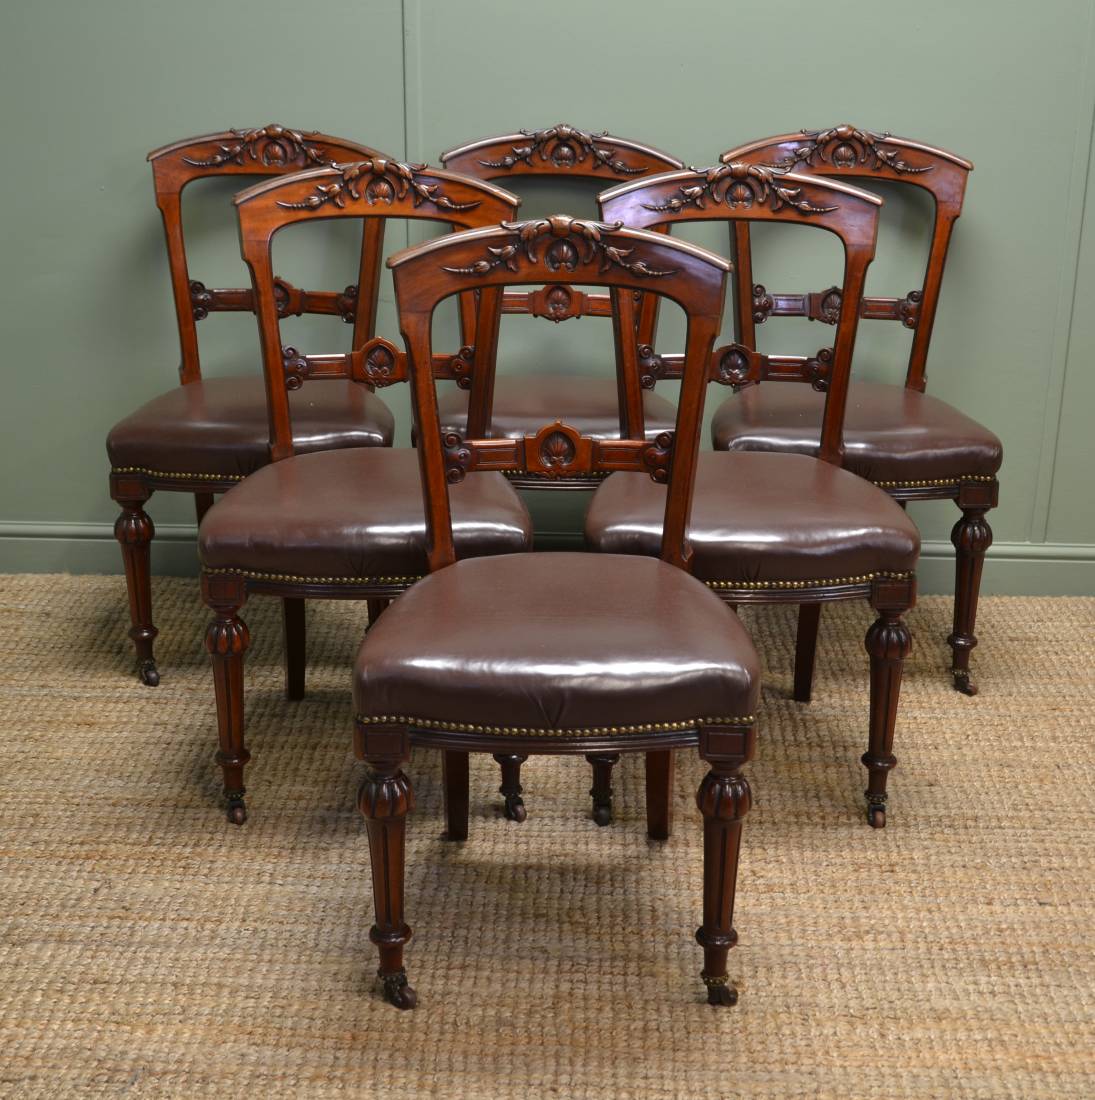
(1013,568)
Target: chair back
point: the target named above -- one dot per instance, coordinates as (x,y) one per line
(262,151)
(744,193)
(373,190)
(860,155)
(551,251)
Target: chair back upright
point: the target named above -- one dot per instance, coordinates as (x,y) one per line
(741,193)
(271,150)
(373,190)
(848,152)
(551,251)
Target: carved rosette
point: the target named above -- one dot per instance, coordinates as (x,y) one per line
(201,300)
(295,366)
(740,187)
(347,304)
(909,308)
(658,456)
(460,366)
(564,147)
(457,457)
(385,796)
(651,366)
(846,146)
(821,368)
(569,243)
(762,304)
(379,180)
(272,146)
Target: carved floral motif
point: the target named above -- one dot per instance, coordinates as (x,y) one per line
(378,180)
(846,147)
(571,242)
(273,146)
(564,146)
(741,186)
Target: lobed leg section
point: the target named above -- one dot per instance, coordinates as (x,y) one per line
(385,799)
(134,531)
(971,536)
(601,791)
(227,639)
(510,790)
(888,643)
(659,794)
(454,775)
(296,655)
(809,619)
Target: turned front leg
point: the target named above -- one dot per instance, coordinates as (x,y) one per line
(510,790)
(601,791)
(385,799)
(888,643)
(971,536)
(134,531)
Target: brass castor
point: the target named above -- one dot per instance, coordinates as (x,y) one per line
(720,992)
(148,674)
(876,817)
(397,992)
(237,811)
(602,814)
(962,682)
(514,809)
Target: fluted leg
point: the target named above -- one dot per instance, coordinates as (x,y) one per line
(659,794)
(296,658)
(385,799)
(454,774)
(724,800)
(971,537)
(511,785)
(134,531)
(809,618)
(227,640)
(601,791)
(888,643)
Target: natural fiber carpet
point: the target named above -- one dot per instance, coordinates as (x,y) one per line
(148,948)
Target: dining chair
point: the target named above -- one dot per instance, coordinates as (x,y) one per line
(772,527)
(590,402)
(344,524)
(207,434)
(907,442)
(554,653)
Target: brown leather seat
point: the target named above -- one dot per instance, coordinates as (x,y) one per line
(219,425)
(350,514)
(763,517)
(522,406)
(890,433)
(553,643)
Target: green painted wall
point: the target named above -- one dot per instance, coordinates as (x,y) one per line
(87,324)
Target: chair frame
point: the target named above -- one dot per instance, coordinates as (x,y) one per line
(741,193)
(373,190)
(549,251)
(258,151)
(852,153)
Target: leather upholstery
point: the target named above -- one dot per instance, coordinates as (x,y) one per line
(219,425)
(523,405)
(762,517)
(556,642)
(890,433)
(350,514)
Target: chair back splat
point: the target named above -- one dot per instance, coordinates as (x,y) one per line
(550,251)
(852,153)
(374,189)
(742,193)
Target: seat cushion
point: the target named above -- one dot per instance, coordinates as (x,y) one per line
(523,405)
(352,514)
(760,517)
(557,642)
(890,433)
(219,425)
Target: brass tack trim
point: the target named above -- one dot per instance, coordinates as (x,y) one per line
(866,578)
(292,579)
(940,483)
(525,731)
(175,473)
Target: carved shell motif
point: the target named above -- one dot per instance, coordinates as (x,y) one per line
(273,146)
(571,242)
(557,450)
(564,146)
(845,146)
(740,186)
(378,180)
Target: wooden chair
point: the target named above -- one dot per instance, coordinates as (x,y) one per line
(206,435)
(590,403)
(563,652)
(345,523)
(770,527)
(914,446)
